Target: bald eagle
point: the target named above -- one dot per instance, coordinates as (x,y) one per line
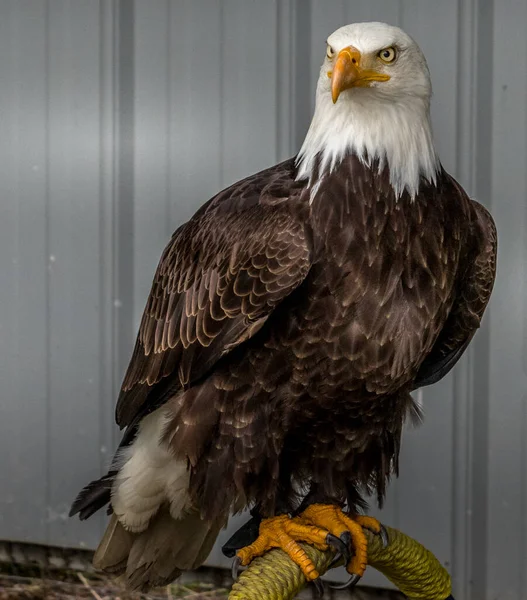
(288,322)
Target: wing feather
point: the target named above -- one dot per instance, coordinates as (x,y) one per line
(217,282)
(474,292)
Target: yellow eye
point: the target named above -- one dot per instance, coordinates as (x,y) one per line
(330,53)
(388,55)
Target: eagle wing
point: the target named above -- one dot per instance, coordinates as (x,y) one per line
(475,287)
(217,282)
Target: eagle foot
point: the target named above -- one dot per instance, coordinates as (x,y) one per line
(322,526)
(285,532)
(349,529)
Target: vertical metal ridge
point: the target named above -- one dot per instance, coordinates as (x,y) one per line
(400,9)
(466,101)
(280,9)
(523,470)
(291,112)
(303,86)
(283,69)
(169,111)
(463,405)
(171,102)
(293,86)
(523,503)
(123,204)
(48,286)
(507,380)
(107,211)
(480,349)
(471,393)
(221,103)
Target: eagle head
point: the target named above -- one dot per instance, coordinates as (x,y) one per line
(375,60)
(373,100)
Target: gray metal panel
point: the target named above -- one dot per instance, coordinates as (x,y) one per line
(471,389)
(74,243)
(53,235)
(196,101)
(507,442)
(249,87)
(212,100)
(24,260)
(151,167)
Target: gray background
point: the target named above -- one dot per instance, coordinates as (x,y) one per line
(119,118)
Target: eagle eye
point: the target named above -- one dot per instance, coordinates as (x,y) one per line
(330,52)
(388,55)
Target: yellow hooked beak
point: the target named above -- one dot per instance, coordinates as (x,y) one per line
(348,73)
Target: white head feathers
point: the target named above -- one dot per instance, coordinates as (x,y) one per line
(387,120)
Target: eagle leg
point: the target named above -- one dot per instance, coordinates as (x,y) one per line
(349,530)
(285,532)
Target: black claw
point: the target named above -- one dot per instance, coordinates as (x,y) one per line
(236,562)
(335,560)
(353,580)
(340,546)
(345,536)
(319,586)
(384,536)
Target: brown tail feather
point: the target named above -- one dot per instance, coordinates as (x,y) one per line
(158,555)
(112,553)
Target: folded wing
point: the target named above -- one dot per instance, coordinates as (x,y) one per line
(474,289)
(217,282)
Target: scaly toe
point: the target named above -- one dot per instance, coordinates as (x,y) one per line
(375,526)
(357,565)
(371,523)
(350,531)
(285,533)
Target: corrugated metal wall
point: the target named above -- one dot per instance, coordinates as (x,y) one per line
(57,273)
(119,118)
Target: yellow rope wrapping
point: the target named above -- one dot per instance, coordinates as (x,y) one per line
(405,562)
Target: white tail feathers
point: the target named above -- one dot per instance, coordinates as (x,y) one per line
(154,533)
(149,477)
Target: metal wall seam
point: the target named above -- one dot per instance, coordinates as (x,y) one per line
(506,451)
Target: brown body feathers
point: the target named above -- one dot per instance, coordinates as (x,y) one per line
(287,326)
(286,331)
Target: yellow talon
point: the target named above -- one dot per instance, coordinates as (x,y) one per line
(369,523)
(313,526)
(338,523)
(285,533)
(359,562)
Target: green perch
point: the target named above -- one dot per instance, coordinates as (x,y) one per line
(407,564)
